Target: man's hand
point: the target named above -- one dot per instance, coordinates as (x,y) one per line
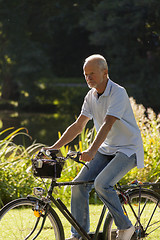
(86,156)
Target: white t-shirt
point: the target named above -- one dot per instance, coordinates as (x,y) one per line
(124,135)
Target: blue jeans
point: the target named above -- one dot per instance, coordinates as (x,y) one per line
(105,172)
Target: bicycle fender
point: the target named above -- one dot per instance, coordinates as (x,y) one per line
(10,203)
(32,198)
(3,209)
(144,190)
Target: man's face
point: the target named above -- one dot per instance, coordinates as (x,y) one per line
(94,75)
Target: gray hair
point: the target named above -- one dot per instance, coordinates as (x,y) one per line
(101,61)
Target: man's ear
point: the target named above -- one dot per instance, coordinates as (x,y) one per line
(105,72)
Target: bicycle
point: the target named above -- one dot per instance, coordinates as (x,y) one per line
(34,218)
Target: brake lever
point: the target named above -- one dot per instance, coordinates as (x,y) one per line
(76,159)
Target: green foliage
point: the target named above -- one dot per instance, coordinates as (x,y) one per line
(149,124)
(128,34)
(71,168)
(15,164)
(38,42)
(51,97)
(22,57)
(54,38)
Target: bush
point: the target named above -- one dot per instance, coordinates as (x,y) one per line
(15,164)
(149,124)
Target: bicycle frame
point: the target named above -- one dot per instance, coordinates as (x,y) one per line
(42,208)
(63,209)
(123,191)
(60,205)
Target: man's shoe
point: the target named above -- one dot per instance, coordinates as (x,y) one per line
(125,234)
(72,238)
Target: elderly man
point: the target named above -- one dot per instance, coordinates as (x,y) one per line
(116,149)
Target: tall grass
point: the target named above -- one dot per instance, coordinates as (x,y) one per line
(149,124)
(71,168)
(16,178)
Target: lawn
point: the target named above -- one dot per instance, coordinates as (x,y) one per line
(11,220)
(14,218)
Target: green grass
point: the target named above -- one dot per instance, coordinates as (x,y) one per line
(14,219)
(95,211)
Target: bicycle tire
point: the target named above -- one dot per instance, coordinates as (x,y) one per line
(148,202)
(17,220)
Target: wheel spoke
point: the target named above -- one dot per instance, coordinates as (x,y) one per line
(18,222)
(144,210)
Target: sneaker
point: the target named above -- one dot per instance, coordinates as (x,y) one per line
(72,238)
(125,234)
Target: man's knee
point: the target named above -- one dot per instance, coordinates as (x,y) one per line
(100,186)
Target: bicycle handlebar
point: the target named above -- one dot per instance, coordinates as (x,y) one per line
(53,154)
(75,157)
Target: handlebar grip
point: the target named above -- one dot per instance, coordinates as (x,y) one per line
(76,158)
(48,153)
(53,152)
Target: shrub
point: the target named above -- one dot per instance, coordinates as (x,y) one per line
(149,124)
(16,177)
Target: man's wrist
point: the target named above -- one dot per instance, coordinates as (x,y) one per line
(91,152)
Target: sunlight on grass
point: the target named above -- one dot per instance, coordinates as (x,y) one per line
(25,220)
(15,217)
(48,233)
(95,211)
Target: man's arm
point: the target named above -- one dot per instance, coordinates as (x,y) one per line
(89,154)
(71,132)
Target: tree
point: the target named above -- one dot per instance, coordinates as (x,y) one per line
(23,57)
(129,32)
(69,38)
(47,38)
(40,38)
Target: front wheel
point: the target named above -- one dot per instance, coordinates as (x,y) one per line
(19,218)
(146,206)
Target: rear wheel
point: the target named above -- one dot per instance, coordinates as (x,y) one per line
(146,206)
(19,217)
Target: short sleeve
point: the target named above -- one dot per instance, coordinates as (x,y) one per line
(86,109)
(117,103)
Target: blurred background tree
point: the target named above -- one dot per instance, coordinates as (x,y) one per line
(49,39)
(23,53)
(129,33)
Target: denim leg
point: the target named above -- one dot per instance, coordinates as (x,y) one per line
(80,193)
(105,181)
